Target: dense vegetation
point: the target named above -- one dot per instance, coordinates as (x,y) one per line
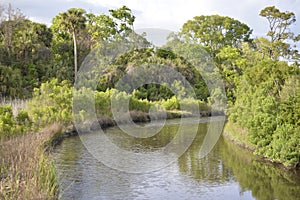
(267,93)
(39,64)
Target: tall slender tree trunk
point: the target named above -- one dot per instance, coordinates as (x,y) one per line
(75,54)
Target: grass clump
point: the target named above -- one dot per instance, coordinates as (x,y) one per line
(26,171)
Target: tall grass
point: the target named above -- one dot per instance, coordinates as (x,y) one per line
(26,172)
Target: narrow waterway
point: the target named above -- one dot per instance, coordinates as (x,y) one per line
(227,172)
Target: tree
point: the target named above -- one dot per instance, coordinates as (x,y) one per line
(278,22)
(279,33)
(215,32)
(125,18)
(71,22)
(101,28)
(9,20)
(24,53)
(10,82)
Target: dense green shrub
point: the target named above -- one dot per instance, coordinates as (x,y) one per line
(11,126)
(268,106)
(139,104)
(23,120)
(7,122)
(52,102)
(170,104)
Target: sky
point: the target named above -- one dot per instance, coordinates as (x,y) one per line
(164,14)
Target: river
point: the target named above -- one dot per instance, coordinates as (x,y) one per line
(227,172)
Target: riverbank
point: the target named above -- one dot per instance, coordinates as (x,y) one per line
(136,116)
(238,136)
(26,170)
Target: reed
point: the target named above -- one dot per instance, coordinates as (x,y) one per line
(26,172)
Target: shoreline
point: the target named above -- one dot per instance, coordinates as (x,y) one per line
(237,135)
(231,132)
(107,122)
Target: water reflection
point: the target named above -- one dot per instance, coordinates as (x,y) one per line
(208,168)
(228,172)
(263,179)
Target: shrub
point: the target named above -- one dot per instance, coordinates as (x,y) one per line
(7,122)
(139,105)
(52,102)
(170,104)
(23,121)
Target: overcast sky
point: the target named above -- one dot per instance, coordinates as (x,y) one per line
(165,14)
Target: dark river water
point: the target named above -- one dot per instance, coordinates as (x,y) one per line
(227,172)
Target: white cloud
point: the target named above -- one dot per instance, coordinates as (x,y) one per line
(172,14)
(166,14)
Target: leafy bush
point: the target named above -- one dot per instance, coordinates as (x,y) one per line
(52,102)
(7,122)
(267,105)
(139,105)
(170,104)
(11,126)
(23,121)
(285,145)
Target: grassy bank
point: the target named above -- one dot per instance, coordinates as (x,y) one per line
(26,171)
(239,136)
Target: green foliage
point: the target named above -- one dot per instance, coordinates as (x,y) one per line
(278,22)
(263,92)
(71,22)
(23,120)
(215,32)
(285,145)
(32,53)
(7,122)
(11,126)
(134,60)
(25,55)
(52,102)
(267,106)
(139,104)
(103,102)
(10,82)
(170,104)
(279,33)
(124,18)
(163,53)
(101,27)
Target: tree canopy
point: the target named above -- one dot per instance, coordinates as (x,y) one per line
(214,32)
(279,33)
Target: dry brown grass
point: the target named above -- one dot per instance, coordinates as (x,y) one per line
(26,172)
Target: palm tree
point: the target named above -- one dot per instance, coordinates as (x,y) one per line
(72,22)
